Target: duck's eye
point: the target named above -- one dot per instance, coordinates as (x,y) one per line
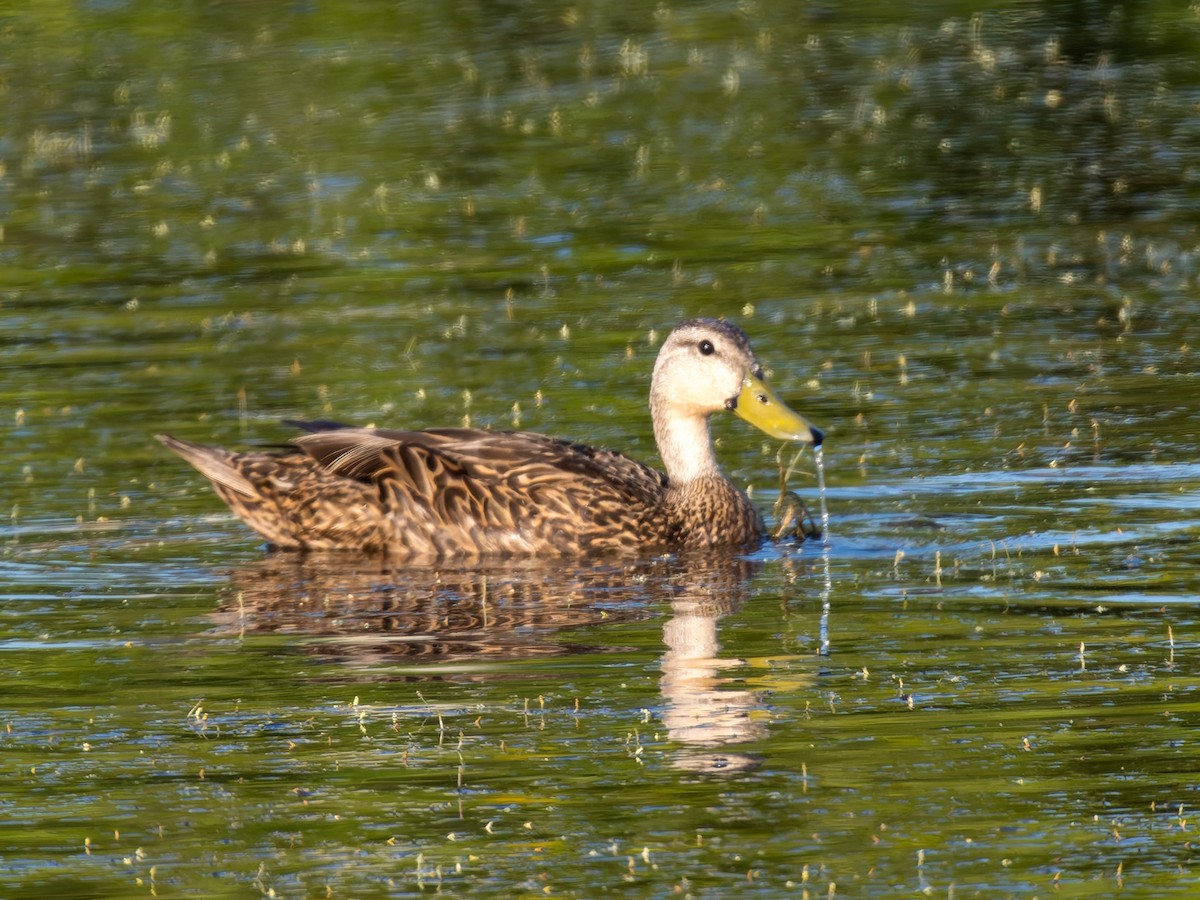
(706,347)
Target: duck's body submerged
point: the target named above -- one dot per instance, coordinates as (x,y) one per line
(467,493)
(461,492)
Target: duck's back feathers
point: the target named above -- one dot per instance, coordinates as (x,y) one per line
(437,493)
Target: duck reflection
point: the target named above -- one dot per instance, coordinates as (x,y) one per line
(699,710)
(366,612)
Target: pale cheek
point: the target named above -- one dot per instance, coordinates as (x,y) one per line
(708,394)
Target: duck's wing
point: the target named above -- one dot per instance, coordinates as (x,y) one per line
(437,493)
(474,491)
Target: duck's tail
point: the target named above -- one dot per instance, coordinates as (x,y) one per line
(215,463)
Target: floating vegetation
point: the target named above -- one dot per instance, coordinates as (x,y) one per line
(792,516)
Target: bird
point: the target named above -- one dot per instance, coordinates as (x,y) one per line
(446,493)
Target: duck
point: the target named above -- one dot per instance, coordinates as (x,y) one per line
(446,493)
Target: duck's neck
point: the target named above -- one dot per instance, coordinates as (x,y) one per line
(685,445)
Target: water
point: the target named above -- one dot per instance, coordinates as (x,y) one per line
(819,463)
(962,242)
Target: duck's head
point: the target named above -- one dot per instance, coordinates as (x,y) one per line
(707,365)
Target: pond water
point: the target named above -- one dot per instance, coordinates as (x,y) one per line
(963,240)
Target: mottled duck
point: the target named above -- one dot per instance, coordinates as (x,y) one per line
(463,492)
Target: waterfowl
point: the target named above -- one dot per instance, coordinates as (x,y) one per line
(463,492)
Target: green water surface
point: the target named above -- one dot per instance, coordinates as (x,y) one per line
(963,239)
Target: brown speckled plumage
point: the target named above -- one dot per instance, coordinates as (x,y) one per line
(454,492)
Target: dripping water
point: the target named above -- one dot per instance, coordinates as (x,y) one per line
(827,583)
(819,457)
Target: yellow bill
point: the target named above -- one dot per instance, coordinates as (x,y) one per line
(762,408)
